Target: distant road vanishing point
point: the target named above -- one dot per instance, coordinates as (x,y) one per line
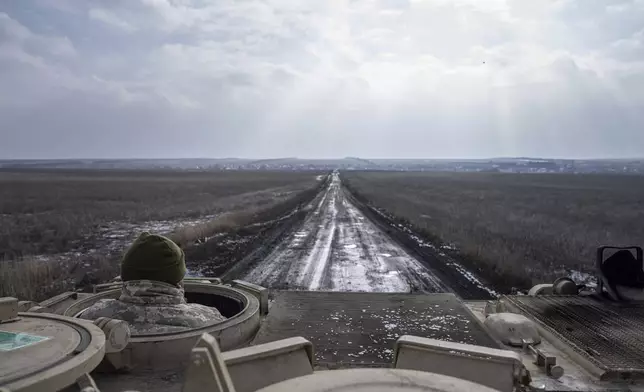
(337,248)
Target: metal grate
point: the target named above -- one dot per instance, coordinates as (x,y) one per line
(610,335)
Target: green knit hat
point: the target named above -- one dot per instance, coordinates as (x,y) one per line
(153,257)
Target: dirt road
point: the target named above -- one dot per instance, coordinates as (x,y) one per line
(337,248)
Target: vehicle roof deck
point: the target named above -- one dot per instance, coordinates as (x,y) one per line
(360,329)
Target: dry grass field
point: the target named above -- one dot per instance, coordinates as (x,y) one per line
(515,229)
(57,225)
(47,212)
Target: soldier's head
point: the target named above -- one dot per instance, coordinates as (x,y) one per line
(154,257)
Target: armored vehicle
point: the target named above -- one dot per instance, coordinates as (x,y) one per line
(557,337)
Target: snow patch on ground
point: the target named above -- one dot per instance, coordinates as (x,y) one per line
(448,247)
(193,272)
(117,235)
(472,278)
(440,251)
(114,237)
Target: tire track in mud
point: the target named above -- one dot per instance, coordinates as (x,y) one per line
(337,248)
(396,260)
(300,241)
(318,259)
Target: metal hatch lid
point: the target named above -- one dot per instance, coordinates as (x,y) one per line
(47,352)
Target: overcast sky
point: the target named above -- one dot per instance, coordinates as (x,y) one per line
(316,78)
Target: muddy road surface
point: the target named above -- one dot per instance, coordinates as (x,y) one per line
(336,248)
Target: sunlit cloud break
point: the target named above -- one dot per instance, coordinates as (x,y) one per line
(388,78)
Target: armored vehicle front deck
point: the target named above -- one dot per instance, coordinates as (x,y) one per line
(360,329)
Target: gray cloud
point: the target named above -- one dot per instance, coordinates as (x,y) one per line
(109,18)
(422,78)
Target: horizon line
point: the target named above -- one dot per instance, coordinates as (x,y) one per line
(327,159)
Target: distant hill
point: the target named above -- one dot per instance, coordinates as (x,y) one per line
(519,165)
